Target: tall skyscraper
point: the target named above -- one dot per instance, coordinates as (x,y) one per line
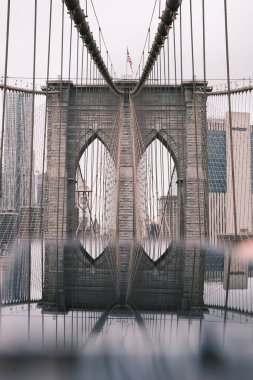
(217,178)
(17,149)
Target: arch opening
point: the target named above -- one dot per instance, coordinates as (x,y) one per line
(157,200)
(95,199)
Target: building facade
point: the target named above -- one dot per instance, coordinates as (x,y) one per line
(220,184)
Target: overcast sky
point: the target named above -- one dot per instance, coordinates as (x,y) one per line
(125,23)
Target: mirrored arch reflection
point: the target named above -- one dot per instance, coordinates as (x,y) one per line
(95,199)
(157,200)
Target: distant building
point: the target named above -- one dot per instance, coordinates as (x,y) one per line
(16,193)
(242,173)
(221,219)
(15,225)
(217,178)
(39,189)
(17,151)
(34,229)
(8,230)
(168,216)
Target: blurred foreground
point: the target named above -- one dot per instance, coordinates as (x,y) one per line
(123,344)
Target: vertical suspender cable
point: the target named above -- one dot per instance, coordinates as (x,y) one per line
(231,157)
(79,148)
(70,47)
(177,135)
(58,180)
(230,120)
(43,165)
(195,119)
(76,148)
(3,118)
(31,167)
(205,100)
(205,122)
(196,147)
(182,179)
(4,96)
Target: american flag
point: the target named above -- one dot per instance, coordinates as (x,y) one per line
(129,60)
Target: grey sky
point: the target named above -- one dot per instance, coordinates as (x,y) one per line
(126,24)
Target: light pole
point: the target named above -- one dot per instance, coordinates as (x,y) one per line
(83,193)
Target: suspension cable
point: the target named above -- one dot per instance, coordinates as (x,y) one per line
(167,18)
(82,25)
